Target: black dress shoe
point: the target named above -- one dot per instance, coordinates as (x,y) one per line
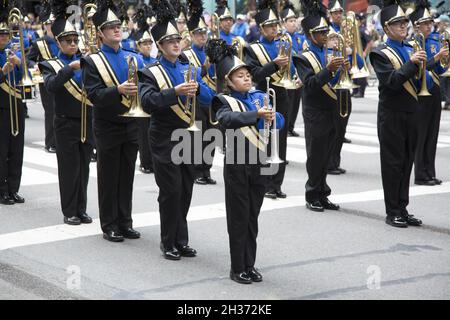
(341,170)
(94,156)
(186,251)
(130,233)
(145,170)
(315,206)
(334,171)
(85,218)
(113,236)
(428,182)
(16,197)
(73,221)
(201,181)
(412,221)
(271,194)
(280,194)
(170,253)
(397,221)
(292,133)
(254,274)
(327,204)
(240,277)
(436,181)
(347,140)
(50,149)
(210,180)
(6,199)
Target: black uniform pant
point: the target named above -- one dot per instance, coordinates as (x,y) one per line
(11,150)
(244,195)
(340,124)
(117,146)
(294,96)
(276,180)
(48,103)
(397,133)
(145,155)
(362,82)
(175,184)
(202,115)
(429,120)
(320,136)
(73,165)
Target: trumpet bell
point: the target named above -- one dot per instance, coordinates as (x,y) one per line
(274,160)
(136,112)
(193,127)
(345,85)
(289,84)
(359,73)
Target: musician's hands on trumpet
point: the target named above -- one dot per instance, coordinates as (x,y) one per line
(266,113)
(335,63)
(75,65)
(418,57)
(187,89)
(442,54)
(127,88)
(281,61)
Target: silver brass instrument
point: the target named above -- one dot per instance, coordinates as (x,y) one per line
(136,110)
(285,49)
(191,75)
(419,44)
(26,84)
(14,116)
(274,157)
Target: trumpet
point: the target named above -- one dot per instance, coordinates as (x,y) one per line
(444,39)
(13,111)
(419,44)
(272,134)
(136,110)
(285,49)
(26,84)
(191,75)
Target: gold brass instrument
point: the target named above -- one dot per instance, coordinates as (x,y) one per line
(211,121)
(285,49)
(36,76)
(444,39)
(26,84)
(136,110)
(356,46)
(419,43)
(90,33)
(215,26)
(274,157)
(239,44)
(344,82)
(14,116)
(190,104)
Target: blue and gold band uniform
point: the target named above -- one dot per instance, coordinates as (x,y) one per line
(259,57)
(73,155)
(11,147)
(397,122)
(43,49)
(245,181)
(116,137)
(174,174)
(430,107)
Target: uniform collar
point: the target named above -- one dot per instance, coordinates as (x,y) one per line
(239,95)
(167,63)
(65,57)
(315,48)
(196,47)
(265,40)
(394,43)
(108,49)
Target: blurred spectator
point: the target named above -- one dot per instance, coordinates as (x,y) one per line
(253,33)
(240,27)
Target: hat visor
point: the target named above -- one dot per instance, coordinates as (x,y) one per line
(235,68)
(320,29)
(4,31)
(270,22)
(197,30)
(170,37)
(424,20)
(110,24)
(397,19)
(68,33)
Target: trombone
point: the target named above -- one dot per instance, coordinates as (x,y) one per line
(136,110)
(13,111)
(273,134)
(190,104)
(419,44)
(90,34)
(285,49)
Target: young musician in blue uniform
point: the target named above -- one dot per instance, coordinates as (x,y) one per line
(430,106)
(11,141)
(105,77)
(264,61)
(62,77)
(396,66)
(163,91)
(198,32)
(319,105)
(226,21)
(336,15)
(242,113)
(43,49)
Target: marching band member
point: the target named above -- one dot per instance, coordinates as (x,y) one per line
(43,49)
(336,15)
(62,77)
(225,21)
(430,106)
(242,112)
(262,58)
(319,104)
(11,144)
(289,18)
(198,31)
(163,92)
(396,66)
(105,78)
